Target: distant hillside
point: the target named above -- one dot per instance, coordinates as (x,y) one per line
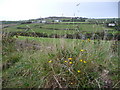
(65,19)
(106,20)
(12,22)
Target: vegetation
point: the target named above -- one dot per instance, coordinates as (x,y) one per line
(11,22)
(63,63)
(59,29)
(39,62)
(103,20)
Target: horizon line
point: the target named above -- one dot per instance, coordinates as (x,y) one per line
(65,16)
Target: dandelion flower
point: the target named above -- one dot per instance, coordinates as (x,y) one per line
(78,71)
(70,58)
(50,61)
(88,39)
(81,50)
(70,62)
(84,61)
(81,60)
(66,61)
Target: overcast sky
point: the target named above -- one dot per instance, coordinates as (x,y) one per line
(31,9)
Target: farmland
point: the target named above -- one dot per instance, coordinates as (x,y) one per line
(61,28)
(44,62)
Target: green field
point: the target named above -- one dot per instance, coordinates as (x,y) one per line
(33,62)
(62,28)
(39,62)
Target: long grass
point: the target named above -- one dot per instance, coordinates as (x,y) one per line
(63,63)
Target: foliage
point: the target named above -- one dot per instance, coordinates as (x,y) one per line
(63,63)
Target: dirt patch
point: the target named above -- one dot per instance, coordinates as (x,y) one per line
(106,79)
(21,45)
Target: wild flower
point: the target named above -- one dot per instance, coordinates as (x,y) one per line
(81,60)
(70,62)
(69,58)
(81,50)
(65,61)
(78,71)
(84,61)
(49,61)
(88,39)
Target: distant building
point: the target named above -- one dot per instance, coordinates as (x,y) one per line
(38,21)
(43,21)
(111,24)
(86,20)
(57,20)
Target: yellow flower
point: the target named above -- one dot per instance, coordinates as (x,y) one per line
(78,71)
(70,62)
(81,50)
(70,58)
(66,61)
(71,83)
(66,71)
(88,39)
(84,61)
(81,60)
(50,61)
(83,40)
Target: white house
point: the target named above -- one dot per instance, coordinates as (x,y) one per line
(57,20)
(44,21)
(111,24)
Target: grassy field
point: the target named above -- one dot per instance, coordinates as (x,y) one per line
(30,62)
(62,28)
(75,22)
(37,62)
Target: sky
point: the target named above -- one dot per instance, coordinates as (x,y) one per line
(32,9)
